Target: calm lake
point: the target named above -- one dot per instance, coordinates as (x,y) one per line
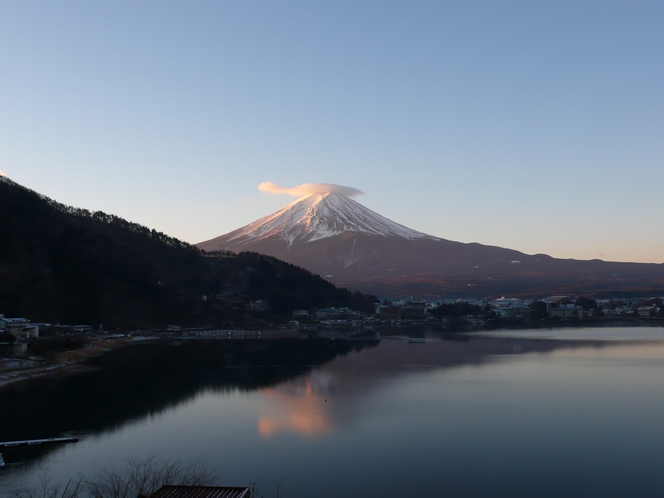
(572,412)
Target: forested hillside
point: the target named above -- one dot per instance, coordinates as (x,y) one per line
(66,265)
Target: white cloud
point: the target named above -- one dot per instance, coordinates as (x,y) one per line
(2,173)
(309,188)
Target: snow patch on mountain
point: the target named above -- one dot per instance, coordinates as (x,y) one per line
(321,215)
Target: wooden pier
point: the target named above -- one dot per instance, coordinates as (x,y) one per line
(34,442)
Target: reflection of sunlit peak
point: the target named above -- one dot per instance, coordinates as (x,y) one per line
(316,385)
(305,424)
(296,408)
(268,427)
(309,424)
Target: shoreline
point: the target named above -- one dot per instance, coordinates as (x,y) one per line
(23,374)
(60,363)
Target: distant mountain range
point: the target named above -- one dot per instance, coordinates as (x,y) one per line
(331,234)
(68,265)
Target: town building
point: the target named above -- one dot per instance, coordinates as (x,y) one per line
(647,311)
(566,312)
(390,312)
(414,310)
(515,311)
(21,328)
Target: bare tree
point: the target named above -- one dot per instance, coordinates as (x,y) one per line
(46,489)
(143,477)
(135,477)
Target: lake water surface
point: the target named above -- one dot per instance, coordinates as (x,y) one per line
(562,412)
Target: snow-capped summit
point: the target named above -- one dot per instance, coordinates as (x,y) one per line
(321,215)
(329,233)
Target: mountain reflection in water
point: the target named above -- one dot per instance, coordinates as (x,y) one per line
(300,405)
(142,380)
(294,407)
(473,415)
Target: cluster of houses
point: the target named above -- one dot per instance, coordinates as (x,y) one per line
(413,309)
(410,309)
(642,311)
(561,307)
(22,329)
(518,308)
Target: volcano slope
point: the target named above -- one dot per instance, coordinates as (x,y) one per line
(338,238)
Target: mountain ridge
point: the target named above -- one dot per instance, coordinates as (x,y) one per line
(69,265)
(352,246)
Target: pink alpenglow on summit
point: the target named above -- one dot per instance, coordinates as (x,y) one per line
(309,188)
(317,216)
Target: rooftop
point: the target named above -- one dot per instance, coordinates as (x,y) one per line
(201,492)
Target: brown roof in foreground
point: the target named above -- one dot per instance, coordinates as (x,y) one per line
(201,492)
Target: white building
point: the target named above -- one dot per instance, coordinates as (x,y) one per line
(21,328)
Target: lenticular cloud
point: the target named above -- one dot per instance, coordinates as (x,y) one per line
(309,188)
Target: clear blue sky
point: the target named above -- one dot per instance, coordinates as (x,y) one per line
(537,126)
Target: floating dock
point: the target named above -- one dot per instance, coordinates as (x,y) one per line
(33,442)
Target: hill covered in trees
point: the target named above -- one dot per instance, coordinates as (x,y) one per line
(61,264)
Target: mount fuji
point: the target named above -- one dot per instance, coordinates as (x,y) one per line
(331,234)
(319,216)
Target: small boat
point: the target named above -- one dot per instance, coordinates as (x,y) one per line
(2,462)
